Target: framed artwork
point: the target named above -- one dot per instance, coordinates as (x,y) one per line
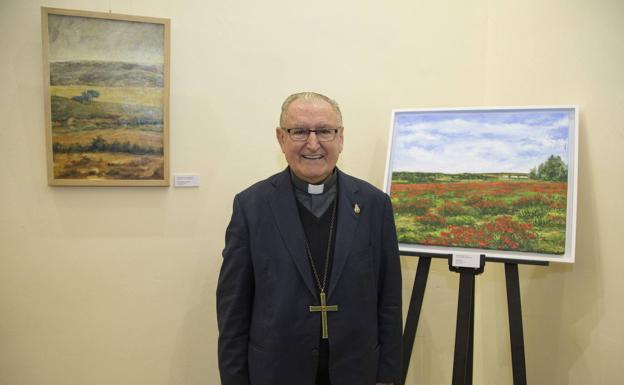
(494,181)
(106,80)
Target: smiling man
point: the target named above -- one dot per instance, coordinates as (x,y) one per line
(310,287)
(310,135)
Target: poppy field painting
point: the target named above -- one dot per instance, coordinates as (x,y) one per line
(493,181)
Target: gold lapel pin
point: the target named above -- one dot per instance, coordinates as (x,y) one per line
(356,208)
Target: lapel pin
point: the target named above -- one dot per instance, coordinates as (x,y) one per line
(356,208)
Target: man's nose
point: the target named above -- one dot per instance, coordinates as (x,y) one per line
(312,142)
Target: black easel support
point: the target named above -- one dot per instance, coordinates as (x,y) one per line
(515,324)
(464,332)
(413,314)
(464,335)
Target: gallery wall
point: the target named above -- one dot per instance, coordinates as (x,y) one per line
(116,285)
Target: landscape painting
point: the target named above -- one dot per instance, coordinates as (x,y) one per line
(496,181)
(106,98)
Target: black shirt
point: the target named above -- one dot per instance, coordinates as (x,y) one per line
(317,235)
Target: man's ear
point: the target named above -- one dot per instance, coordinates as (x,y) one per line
(281,137)
(341,139)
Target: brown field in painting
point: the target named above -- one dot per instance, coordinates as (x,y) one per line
(131,135)
(107,120)
(105,166)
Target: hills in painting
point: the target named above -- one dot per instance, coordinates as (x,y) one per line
(107,120)
(111,74)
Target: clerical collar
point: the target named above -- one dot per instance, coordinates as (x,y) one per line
(314,189)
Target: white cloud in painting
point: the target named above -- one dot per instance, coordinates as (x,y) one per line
(76,38)
(479,141)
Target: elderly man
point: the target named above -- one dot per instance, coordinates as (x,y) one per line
(310,287)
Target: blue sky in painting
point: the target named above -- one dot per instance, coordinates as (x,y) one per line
(479,141)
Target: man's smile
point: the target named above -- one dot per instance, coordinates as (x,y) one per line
(312,157)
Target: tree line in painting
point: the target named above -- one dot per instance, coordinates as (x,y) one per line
(499,211)
(107,120)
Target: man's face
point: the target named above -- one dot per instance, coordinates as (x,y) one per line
(310,160)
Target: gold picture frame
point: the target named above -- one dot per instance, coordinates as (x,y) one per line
(106,81)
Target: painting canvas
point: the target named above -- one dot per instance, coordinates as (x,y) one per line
(493,181)
(106,97)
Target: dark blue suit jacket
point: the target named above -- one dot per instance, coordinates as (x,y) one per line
(267,336)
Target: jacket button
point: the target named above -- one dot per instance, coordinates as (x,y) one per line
(315,352)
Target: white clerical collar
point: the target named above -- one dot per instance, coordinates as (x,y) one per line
(314,189)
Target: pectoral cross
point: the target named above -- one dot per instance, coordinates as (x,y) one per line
(324,308)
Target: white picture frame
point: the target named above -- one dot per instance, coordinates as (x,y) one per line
(485,180)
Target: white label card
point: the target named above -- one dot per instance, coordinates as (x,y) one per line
(467,260)
(186,180)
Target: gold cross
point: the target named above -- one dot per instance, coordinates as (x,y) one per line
(324,308)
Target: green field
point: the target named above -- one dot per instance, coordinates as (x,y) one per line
(502,211)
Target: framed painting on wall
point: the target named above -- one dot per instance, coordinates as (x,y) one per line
(494,181)
(106,80)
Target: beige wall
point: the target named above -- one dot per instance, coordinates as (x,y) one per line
(105,286)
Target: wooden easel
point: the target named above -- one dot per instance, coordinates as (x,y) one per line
(464,333)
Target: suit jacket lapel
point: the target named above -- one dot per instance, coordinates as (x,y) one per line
(347,225)
(286,215)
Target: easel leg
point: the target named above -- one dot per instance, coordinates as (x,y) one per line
(464,337)
(413,314)
(515,324)
(469,364)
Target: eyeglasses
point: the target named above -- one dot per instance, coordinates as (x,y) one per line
(322,134)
